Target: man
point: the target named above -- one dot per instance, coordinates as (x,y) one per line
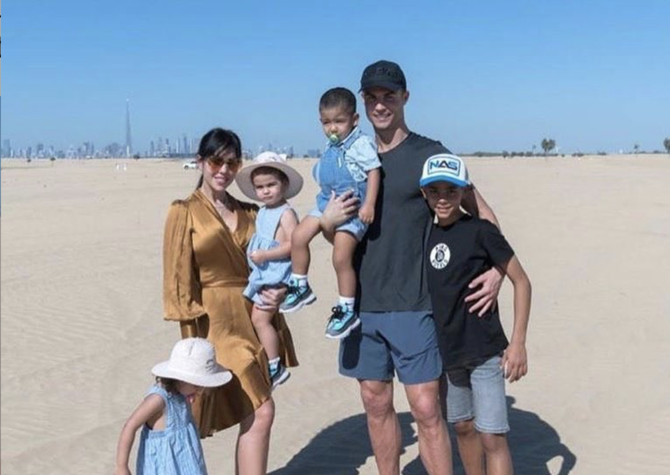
(397,333)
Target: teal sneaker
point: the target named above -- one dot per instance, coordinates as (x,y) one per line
(297,297)
(278,374)
(342,322)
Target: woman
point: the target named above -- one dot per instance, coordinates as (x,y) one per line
(205,271)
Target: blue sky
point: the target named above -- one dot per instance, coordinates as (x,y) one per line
(483,75)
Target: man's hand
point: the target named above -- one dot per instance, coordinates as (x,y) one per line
(514,362)
(257,257)
(486,297)
(338,211)
(367,213)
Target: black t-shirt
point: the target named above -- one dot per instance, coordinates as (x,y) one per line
(455,255)
(389,260)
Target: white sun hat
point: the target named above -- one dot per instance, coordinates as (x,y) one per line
(193,360)
(272,160)
(444,167)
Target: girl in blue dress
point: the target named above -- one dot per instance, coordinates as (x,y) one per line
(270,180)
(169,442)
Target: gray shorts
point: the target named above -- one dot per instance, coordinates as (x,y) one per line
(404,342)
(478,392)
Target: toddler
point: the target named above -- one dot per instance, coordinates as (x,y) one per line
(270,180)
(350,162)
(169,442)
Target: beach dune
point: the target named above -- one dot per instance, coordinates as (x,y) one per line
(82,319)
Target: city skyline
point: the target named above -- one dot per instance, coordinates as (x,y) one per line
(482,76)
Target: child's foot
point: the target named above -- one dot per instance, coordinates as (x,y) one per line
(278,374)
(297,297)
(342,322)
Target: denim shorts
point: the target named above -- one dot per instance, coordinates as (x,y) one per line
(353,226)
(388,342)
(478,392)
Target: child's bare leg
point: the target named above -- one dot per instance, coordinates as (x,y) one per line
(498,458)
(470,447)
(302,235)
(267,335)
(344,247)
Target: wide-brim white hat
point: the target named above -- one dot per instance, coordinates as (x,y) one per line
(272,160)
(193,360)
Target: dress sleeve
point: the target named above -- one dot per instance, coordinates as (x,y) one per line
(365,151)
(182,298)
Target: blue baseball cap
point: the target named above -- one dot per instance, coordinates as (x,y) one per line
(444,167)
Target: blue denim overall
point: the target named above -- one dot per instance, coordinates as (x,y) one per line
(332,174)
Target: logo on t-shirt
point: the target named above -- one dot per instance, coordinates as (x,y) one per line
(440,255)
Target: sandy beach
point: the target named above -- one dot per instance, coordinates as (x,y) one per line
(82,320)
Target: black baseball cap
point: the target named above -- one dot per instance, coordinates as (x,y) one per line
(386,74)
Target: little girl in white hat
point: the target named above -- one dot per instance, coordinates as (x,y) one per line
(169,442)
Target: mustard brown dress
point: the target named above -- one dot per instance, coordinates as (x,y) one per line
(205,271)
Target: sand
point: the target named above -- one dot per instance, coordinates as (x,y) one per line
(82,324)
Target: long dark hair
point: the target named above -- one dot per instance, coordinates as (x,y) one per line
(217,142)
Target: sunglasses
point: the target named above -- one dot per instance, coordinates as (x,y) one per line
(233,164)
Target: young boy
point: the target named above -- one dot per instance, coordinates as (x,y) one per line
(476,354)
(350,162)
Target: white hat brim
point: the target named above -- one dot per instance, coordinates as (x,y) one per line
(219,378)
(243,179)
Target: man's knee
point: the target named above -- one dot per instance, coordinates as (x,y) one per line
(377,398)
(426,409)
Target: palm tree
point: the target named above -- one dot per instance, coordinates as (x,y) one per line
(636,147)
(666,144)
(548,145)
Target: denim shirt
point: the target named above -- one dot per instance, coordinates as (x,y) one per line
(360,154)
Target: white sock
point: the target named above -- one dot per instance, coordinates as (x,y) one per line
(301,280)
(347,301)
(274,362)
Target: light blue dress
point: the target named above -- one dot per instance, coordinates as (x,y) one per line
(269,273)
(176,450)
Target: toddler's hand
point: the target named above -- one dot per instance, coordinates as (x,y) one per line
(367,214)
(257,257)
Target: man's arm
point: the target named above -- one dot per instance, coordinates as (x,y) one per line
(490,281)
(475,204)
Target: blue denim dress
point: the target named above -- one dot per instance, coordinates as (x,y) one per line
(269,273)
(176,450)
(343,167)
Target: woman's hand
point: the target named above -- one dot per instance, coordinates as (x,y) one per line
(338,211)
(122,471)
(485,298)
(273,296)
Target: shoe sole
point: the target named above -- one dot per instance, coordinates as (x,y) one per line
(307,301)
(346,332)
(281,380)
